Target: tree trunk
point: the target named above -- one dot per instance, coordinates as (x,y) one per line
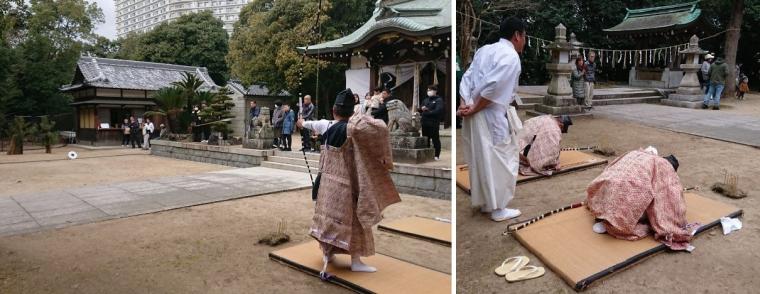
(17,146)
(48,149)
(732,44)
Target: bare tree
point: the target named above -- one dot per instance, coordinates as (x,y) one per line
(470,21)
(732,44)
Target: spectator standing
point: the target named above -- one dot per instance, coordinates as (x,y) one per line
(147,132)
(382,112)
(432,114)
(704,70)
(717,74)
(125,137)
(288,125)
(134,131)
(590,79)
(307,114)
(277,123)
(577,81)
(374,101)
(743,88)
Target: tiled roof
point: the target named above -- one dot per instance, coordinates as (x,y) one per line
(254,90)
(660,18)
(135,75)
(411,17)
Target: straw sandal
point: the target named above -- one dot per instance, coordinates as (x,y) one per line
(526,273)
(511,264)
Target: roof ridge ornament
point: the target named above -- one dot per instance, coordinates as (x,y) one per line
(101,76)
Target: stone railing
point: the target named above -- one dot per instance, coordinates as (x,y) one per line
(224,155)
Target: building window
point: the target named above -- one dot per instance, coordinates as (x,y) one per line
(87,118)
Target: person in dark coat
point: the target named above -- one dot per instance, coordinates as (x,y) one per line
(135,132)
(432,114)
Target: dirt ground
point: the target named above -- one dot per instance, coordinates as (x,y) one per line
(720,264)
(37,171)
(203,249)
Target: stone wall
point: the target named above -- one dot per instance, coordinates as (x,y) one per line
(223,155)
(422,181)
(409,178)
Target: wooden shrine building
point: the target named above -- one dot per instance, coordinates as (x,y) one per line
(409,39)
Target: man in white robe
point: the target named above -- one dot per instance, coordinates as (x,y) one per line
(491,150)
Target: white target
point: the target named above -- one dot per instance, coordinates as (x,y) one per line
(72,155)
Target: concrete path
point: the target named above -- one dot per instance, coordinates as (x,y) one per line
(61,208)
(720,125)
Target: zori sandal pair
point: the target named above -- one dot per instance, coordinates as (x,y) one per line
(516,269)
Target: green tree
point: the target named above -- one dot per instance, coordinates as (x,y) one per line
(18,132)
(170,102)
(189,86)
(128,47)
(102,47)
(263,46)
(46,134)
(218,113)
(41,51)
(204,97)
(196,39)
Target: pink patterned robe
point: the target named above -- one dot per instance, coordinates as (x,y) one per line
(355,188)
(637,183)
(543,157)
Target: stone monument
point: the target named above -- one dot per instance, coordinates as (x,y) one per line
(559,98)
(261,134)
(688,94)
(407,144)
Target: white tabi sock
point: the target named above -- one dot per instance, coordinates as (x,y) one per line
(358,266)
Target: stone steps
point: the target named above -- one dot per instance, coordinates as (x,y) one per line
(293,161)
(527,101)
(629,100)
(631,94)
(297,154)
(291,167)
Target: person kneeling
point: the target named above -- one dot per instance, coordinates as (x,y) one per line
(540,144)
(640,192)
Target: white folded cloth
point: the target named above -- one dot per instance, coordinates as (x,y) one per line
(730,224)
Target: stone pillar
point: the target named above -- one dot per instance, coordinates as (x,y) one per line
(559,98)
(688,94)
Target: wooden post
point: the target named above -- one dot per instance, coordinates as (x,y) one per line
(448,93)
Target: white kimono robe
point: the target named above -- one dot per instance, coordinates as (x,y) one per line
(490,148)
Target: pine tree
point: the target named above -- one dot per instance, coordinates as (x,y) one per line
(218,113)
(47,135)
(18,131)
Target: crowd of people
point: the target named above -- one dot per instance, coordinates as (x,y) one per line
(432,113)
(140,133)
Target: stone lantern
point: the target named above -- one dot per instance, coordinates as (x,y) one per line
(689,94)
(559,98)
(574,53)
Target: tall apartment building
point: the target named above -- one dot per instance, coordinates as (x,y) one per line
(143,15)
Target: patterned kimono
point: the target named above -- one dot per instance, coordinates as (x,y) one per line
(347,207)
(638,183)
(543,157)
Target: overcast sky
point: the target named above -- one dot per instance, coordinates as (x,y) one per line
(107,29)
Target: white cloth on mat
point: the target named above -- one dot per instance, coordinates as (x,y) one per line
(730,224)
